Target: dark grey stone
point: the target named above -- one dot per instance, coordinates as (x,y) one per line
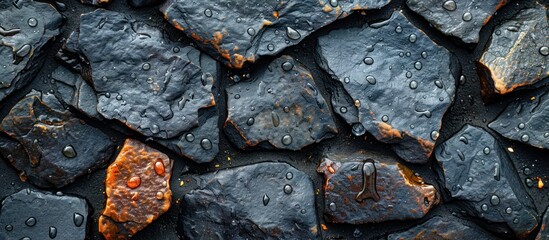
(443,228)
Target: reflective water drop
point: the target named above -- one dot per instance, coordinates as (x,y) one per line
(32,22)
(133,182)
(155,129)
(30,222)
(460,155)
(486,150)
(521,126)
(494,200)
(206,144)
(176,49)
(266,199)
(119,97)
(449,5)
(371,79)
(9,228)
(24,51)
(343,109)
(368,61)
(292,33)
(467,16)
(346,80)
(438,83)
(385,118)
(251,31)
(358,129)
(332,207)
(525,138)
(333,3)
(289,175)
(287,140)
(275,119)
(270,47)
(484,207)
(497,172)
(424,54)
(434,135)
(78,219)
(368,183)
(208,12)
(68,151)
(287,66)
(189,137)
(53,232)
(398,29)
(462,80)
(544,51)
(146,66)
(527,171)
(529,182)
(159,195)
(159,167)
(413,84)
(508,210)
(250,121)
(418,65)
(288,189)
(412,38)
(408,74)
(237,96)
(464,140)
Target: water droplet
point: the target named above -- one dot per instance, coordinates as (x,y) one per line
(413,84)
(292,33)
(464,140)
(525,138)
(438,83)
(270,47)
(146,66)
(418,65)
(68,151)
(408,74)
(508,210)
(159,195)
(371,79)
(343,109)
(78,219)
(497,172)
(9,228)
(460,155)
(155,129)
(484,207)
(208,12)
(358,129)
(486,150)
(206,144)
(494,200)
(529,182)
(251,31)
(24,51)
(237,96)
(176,49)
(289,175)
(53,232)
(134,182)
(332,206)
(159,167)
(368,183)
(288,189)
(385,118)
(398,29)
(546,135)
(368,61)
(250,121)
(119,97)
(424,54)
(527,171)
(516,220)
(266,199)
(30,222)
(521,126)
(287,66)
(32,22)
(449,5)
(346,80)
(357,233)
(412,38)
(544,50)
(333,3)
(275,119)
(189,137)
(287,140)
(467,16)
(434,135)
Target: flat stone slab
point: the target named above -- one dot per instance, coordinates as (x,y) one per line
(152,85)
(236,32)
(443,228)
(517,54)
(26,28)
(260,201)
(369,188)
(391,80)
(461,19)
(526,120)
(476,172)
(48,144)
(279,107)
(138,190)
(30,214)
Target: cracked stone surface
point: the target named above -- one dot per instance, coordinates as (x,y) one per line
(48,144)
(259,201)
(387,68)
(138,190)
(461,19)
(366,187)
(517,55)
(236,32)
(279,107)
(158,88)
(31,214)
(26,28)
(477,172)
(526,120)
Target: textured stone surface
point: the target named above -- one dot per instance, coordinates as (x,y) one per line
(30,214)
(461,19)
(392,81)
(144,3)
(138,190)
(387,191)
(544,231)
(236,32)
(477,172)
(259,201)
(95,2)
(526,120)
(48,144)
(26,27)
(278,107)
(517,54)
(156,87)
(441,228)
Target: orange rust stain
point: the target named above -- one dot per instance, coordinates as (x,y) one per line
(133,182)
(276,14)
(324,227)
(330,169)
(176,24)
(327,8)
(388,131)
(540,183)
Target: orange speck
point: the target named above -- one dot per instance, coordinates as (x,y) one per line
(532,98)
(217,165)
(540,183)
(181,183)
(331,169)
(275,14)
(324,227)
(133,182)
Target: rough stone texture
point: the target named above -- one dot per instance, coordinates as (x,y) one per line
(392,81)
(138,190)
(30,214)
(95,2)
(443,229)
(48,144)
(236,32)
(156,87)
(476,171)
(278,107)
(543,233)
(526,120)
(461,19)
(26,27)
(517,54)
(395,192)
(144,3)
(259,201)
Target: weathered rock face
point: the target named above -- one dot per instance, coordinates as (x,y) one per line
(259,201)
(544,231)
(236,32)
(30,214)
(517,54)
(526,120)
(370,188)
(443,228)
(279,107)
(95,2)
(138,190)
(461,19)
(156,87)
(48,144)
(477,172)
(392,81)
(26,27)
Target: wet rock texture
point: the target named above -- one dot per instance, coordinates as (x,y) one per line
(144,3)
(138,190)
(370,188)
(279,107)
(48,144)
(477,172)
(95,2)
(526,120)
(30,214)
(26,27)
(158,88)
(544,231)
(392,81)
(443,228)
(461,19)
(237,32)
(517,54)
(259,201)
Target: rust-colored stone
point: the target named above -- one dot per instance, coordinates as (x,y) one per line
(137,191)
